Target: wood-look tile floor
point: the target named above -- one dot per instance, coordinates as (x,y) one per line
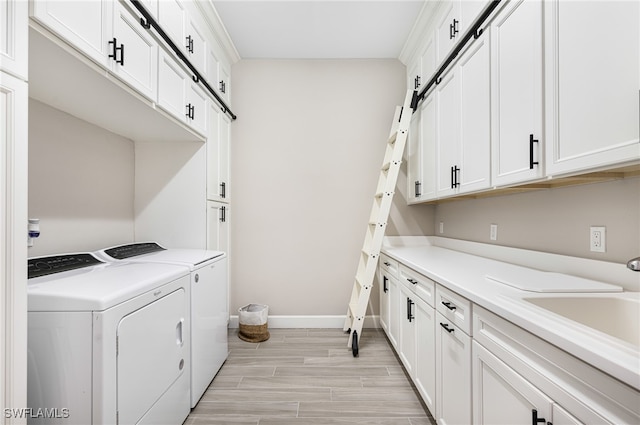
(309,377)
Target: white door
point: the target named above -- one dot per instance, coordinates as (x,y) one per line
(217,226)
(428,150)
(197,106)
(383,282)
(448,29)
(172,86)
(152,353)
(14,21)
(475,117)
(453,374)
(85,25)
(137,61)
(209,318)
(501,396)
(448,133)
(516,91)
(197,48)
(407,320)
(425,365)
(591,84)
(394,312)
(172,17)
(414,163)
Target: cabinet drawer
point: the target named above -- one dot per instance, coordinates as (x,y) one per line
(420,285)
(388,265)
(455,308)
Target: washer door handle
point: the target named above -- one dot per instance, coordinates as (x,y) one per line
(179,338)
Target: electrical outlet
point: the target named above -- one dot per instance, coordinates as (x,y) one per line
(597,239)
(493,232)
(441,227)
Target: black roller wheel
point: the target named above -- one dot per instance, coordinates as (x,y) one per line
(354,344)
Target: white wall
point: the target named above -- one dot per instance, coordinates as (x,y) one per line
(553,220)
(306,152)
(81,183)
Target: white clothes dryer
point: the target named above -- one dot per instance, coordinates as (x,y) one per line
(209,303)
(107,343)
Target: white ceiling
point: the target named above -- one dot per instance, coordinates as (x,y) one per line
(318,29)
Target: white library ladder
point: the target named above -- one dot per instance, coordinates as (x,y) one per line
(377,223)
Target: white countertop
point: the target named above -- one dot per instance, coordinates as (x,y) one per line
(467,273)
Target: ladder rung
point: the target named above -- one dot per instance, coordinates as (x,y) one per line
(386,166)
(392,137)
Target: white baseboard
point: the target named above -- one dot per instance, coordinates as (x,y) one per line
(329,322)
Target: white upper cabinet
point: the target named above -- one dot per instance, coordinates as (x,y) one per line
(463,123)
(224,85)
(14,16)
(517,145)
(84,24)
(428,62)
(421,152)
(457,17)
(172,86)
(218,155)
(592,60)
(196,47)
(414,163)
(133,52)
(172,19)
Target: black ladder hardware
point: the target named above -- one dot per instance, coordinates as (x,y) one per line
(223,214)
(354,343)
(149,21)
(410,315)
(472,32)
(418,185)
(454,177)
(114,55)
(385,288)
(190,111)
(531,161)
(453,29)
(446,327)
(448,305)
(189,45)
(536,420)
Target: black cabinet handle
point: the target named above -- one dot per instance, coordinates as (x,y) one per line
(387,264)
(410,303)
(454,177)
(416,82)
(536,420)
(114,54)
(446,327)
(223,86)
(413,281)
(531,161)
(385,288)
(223,214)
(190,111)
(223,190)
(453,29)
(448,305)
(189,44)
(417,190)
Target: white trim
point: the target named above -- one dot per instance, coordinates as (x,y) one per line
(298,322)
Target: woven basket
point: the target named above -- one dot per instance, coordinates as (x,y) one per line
(253,321)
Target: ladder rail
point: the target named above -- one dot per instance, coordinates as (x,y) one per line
(376,226)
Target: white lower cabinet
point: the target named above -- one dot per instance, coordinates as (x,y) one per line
(453,373)
(407,349)
(394,312)
(425,364)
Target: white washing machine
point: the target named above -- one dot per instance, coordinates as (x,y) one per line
(209,303)
(107,343)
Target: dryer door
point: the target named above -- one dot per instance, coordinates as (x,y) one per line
(152,355)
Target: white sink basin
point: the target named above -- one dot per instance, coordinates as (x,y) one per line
(617,315)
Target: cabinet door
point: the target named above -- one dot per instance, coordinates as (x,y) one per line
(197,47)
(414,163)
(413,76)
(448,29)
(501,396)
(394,312)
(407,329)
(172,86)
(428,140)
(591,84)
(197,108)
(383,281)
(224,85)
(14,19)
(428,61)
(516,92)
(137,61)
(425,364)
(172,17)
(453,374)
(86,25)
(475,117)
(218,155)
(448,132)
(217,226)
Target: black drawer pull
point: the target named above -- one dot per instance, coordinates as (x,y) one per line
(410,303)
(448,305)
(413,281)
(385,288)
(446,327)
(531,161)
